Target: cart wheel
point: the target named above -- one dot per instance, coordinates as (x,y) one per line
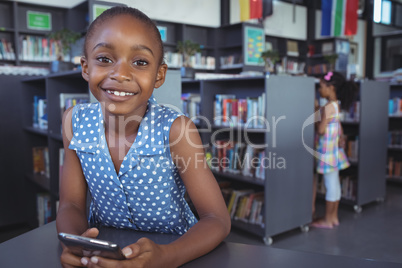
(304,228)
(268,241)
(358,209)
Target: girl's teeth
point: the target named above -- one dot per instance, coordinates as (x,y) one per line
(117,93)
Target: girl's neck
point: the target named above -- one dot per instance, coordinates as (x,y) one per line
(121,125)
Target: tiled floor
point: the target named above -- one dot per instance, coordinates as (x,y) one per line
(375,233)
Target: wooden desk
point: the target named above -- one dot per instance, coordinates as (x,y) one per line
(40,248)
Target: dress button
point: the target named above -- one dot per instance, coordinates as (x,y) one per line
(130,220)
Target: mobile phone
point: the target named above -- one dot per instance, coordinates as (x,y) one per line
(87,247)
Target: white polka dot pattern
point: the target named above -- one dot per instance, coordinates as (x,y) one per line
(148,193)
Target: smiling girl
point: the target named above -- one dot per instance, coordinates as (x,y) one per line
(128,151)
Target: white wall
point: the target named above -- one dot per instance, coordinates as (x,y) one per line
(196,12)
(55,3)
(280,23)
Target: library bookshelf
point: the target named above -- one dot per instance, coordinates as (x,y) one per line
(49,87)
(287,191)
(368,128)
(395,134)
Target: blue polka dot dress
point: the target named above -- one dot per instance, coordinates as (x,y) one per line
(148,193)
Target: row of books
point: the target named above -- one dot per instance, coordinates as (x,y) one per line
(317,69)
(6,50)
(245,205)
(198,61)
(39,119)
(231,60)
(351,115)
(394,167)
(68,100)
(352,148)
(240,158)
(40,156)
(44,210)
(249,112)
(348,187)
(292,66)
(395,138)
(191,105)
(36,48)
(390,76)
(395,107)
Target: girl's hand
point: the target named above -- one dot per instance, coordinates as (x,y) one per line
(68,259)
(342,141)
(144,253)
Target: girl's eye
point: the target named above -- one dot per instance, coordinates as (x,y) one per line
(140,62)
(104,60)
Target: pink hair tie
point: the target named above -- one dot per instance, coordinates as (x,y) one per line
(328,76)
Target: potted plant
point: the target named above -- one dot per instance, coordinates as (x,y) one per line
(270,58)
(66,38)
(187,48)
(331,59)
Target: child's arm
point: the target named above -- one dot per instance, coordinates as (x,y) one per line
(71,215)
(203,189)
(327,112)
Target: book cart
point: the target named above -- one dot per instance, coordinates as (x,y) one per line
(394,164)
(287,190)
(366,126)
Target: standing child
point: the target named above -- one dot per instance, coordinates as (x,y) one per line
(137,158)
(331,157)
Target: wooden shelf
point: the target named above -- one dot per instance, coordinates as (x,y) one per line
(40,180)
(38,131)
(240,177)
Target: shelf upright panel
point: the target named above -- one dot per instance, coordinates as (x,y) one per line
(288,189)
(373,141)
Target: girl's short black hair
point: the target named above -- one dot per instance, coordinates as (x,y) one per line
(123,10)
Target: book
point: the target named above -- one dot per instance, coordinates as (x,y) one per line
(40,157)
(42,114)
(44,211)
(68,100)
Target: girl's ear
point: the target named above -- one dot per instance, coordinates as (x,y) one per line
(161,75)
(84,67)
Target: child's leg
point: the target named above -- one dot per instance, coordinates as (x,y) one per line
(333,194)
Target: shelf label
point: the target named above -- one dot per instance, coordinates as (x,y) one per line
(254,40)
(39,21)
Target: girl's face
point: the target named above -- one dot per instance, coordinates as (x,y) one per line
(325,89)
(122,66)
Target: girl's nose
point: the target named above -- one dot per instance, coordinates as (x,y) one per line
(121,72)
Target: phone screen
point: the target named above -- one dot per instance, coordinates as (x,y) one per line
(87,247)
